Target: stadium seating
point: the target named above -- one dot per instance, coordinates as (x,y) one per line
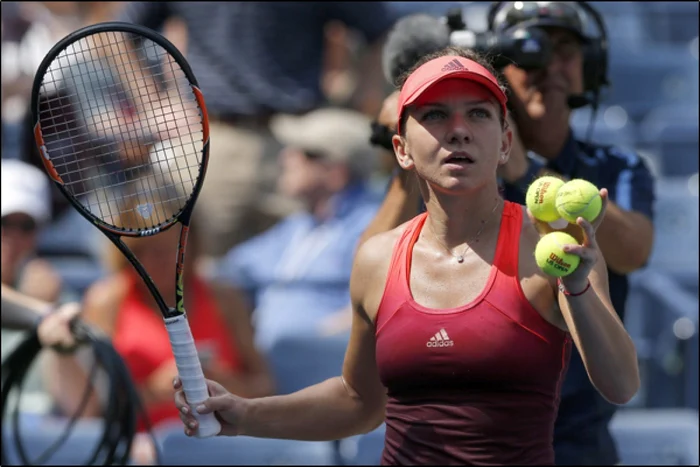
(662,308)
(301,361)
(656,437)
(77,272)
(651,76)
(70,235)
(178,449)
(365,449)
(671,131)
(38,433)
(670,22)
(676,228)
(611,125)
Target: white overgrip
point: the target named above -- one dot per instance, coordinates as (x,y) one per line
(190,370)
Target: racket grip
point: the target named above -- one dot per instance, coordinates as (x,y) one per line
(190,370)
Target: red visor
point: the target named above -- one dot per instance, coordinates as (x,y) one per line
(441,68)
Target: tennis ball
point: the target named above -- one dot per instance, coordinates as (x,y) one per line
(541,198)
(551,257)
(579,198)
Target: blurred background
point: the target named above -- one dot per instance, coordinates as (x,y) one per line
(49,251)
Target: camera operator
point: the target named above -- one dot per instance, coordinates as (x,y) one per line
(573,71)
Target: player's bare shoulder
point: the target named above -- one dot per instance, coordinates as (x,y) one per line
(371,267)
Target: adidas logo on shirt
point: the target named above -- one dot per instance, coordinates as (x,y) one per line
(440,339)
(454,65)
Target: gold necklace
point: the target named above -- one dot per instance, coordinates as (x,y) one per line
(460,258)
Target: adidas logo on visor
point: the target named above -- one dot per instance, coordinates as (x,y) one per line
(454,65)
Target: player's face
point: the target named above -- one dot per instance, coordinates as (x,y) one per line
(454,137)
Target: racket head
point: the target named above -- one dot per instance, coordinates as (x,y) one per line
(121,124)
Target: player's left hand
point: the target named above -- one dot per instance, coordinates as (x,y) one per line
(587,249)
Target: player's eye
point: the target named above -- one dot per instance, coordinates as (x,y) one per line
(434,114)
(480,112)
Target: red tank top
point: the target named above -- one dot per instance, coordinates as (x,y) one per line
(474,385)
(141,339)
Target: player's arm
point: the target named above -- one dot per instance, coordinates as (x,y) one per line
(606,348)
(344,406)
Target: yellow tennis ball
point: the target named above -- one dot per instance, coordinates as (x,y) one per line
(579,198)
(541,198)
(550,255)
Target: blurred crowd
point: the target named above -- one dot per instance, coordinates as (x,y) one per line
(292,90)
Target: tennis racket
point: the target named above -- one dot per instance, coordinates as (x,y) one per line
(123,132)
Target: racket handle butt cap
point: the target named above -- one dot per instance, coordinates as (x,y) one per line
(190,371)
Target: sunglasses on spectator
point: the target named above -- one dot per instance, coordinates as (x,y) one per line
(27,225)
(313,155)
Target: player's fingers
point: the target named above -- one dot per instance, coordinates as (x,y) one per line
(177,383)
(188,420)
(180,401)
(214,404)
(588,232)
(599,219)
(215,389)
(586,254)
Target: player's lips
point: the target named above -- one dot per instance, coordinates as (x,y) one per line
(459,157)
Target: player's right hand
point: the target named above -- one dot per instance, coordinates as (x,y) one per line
(227,408)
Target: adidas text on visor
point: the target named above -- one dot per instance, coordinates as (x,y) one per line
(441,68)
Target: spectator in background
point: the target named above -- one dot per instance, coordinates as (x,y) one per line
(254,60)
(21,313)
(122,307)
(25,209)
(296,274)
(30,30)
(403,186)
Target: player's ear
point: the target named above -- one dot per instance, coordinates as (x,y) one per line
(401,152)
(506,143)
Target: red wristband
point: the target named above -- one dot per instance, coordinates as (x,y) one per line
(563,290)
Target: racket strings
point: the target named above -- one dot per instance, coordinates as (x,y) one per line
(122,129)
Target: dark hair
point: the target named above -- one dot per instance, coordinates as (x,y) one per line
(460,52)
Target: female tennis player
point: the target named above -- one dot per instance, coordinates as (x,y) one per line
(459,341)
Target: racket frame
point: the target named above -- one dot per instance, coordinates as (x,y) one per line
(113,233)
(179,332)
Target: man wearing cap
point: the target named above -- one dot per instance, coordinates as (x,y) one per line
(30,286)
(25,208)
(296,274)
